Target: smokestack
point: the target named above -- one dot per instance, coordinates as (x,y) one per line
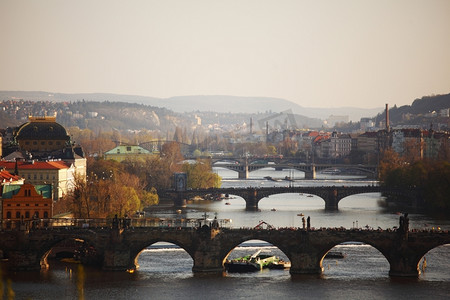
(251,125)
(387,118)
(16,167)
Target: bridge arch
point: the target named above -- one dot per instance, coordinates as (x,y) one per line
(368,257)
(160,259)
(227,252)
(138,250)
(362,200)
(292,201)
(84,244)
(432,263)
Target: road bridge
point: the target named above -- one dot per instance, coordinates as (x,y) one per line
(244,166)
(117,248)
(330,194)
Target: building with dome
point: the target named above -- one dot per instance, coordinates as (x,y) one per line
(42,135)
(38,146)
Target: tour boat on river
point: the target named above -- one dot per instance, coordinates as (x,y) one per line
(335,254)
(249,263)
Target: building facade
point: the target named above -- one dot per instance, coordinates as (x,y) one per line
(131,152)
(42,134)
(58,174)
(25,201)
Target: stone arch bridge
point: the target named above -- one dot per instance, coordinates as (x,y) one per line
(330,194)
(243,166)
(117,249)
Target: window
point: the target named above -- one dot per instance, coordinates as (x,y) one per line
(27,214)
(28,204)
(17,214)
(9,204)
(118,150)
(45,214)
(36,214)
(17,204)
(36,204)
(34,142)
(128,148)
(8,215)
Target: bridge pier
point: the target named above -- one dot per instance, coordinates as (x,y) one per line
(305,264)
(251,201)
(243,174)
(118,256)
(118,259)
(26,260)
(206,260)
(331,201)
(310,174)
(403,261)
(180,200)
(203,264)
(404,270)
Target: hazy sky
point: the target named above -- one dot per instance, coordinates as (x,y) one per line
(316,53)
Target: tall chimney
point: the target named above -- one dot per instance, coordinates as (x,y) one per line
(387,118)
(251,125)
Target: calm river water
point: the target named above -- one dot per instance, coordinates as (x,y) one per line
(165,270)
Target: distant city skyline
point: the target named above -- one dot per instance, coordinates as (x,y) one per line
(322,53)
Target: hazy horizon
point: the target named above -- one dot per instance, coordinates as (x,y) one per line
(323,53)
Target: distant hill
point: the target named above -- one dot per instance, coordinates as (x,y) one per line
(416,112)
(212,103)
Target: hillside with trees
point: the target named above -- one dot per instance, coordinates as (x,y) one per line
(421,112)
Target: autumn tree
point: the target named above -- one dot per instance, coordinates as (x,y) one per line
(109,190)
(200,175)
(178,135)
(413,150)
(389,161)
(79,200)
(171,155)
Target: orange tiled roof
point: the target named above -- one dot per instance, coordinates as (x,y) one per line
(37,165)
(5,175)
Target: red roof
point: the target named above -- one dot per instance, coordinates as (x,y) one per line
(6,176)
(37,165)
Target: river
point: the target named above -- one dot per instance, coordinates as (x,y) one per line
(165,270)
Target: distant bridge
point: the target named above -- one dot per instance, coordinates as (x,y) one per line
(330,194)
(117,248)
(244,166)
